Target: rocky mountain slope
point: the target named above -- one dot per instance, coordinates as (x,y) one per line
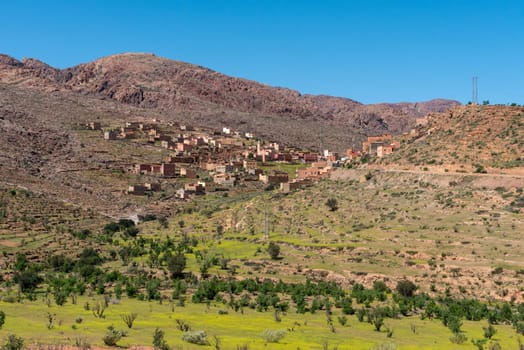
(43,150)
(467,139)
(183,90)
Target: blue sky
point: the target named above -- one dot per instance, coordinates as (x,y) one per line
(367,50)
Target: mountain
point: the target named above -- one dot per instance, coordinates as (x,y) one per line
(179,90)
(44,150)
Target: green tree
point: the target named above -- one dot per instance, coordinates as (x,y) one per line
(176,265)
(454,323)
(112,336)
(489,331)
(406,288)
(152,289)
(158,340)
(273,250)
(2,318)
(332,204)
(13,343)
(376,317)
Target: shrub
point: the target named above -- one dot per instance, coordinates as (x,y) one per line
(489,331)
(332,204)
(273,335)
(158,340)
(182,325)
(376,317)
(98,310)
(273,250)
(406,288)
(129,319)
(176,265)
(479,343)
(454,323)
(13,343)
(2,318)
(112,336)
(196,337)
(458,338)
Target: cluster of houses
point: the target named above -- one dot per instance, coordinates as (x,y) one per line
(227,158)
(224,158)
(379,146)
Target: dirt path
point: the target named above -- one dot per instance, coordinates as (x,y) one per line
(488,181)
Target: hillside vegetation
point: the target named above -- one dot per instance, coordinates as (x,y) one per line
(467,139)
(421,249)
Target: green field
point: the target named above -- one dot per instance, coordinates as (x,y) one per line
(303,331)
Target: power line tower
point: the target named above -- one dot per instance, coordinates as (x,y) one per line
(474,90)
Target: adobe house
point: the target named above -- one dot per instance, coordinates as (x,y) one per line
(289,186)
(384,151)
(294,185)
(138,190)
(153,132)
(224,180)
(285,157)
(249,164)
(188,173)
(127,135)
(153,186)
(255,171)
(308,173)
(110,135)
(94,126)
(155,169)
(180,159)
(198,141)
(208,166)
(310,157)
(183,147)
(167,144)
(275,178)
(132,125)
(351,154)
(167,169)
(370,146)
(224,168)
(141,168)
(124,130)
(196,188)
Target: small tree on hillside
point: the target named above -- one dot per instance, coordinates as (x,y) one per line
(332,204)
(176,265)
(273,250)
(158,340)
(406,288)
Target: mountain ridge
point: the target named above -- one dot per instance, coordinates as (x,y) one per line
(148,81)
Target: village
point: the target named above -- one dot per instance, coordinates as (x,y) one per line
(226,158)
